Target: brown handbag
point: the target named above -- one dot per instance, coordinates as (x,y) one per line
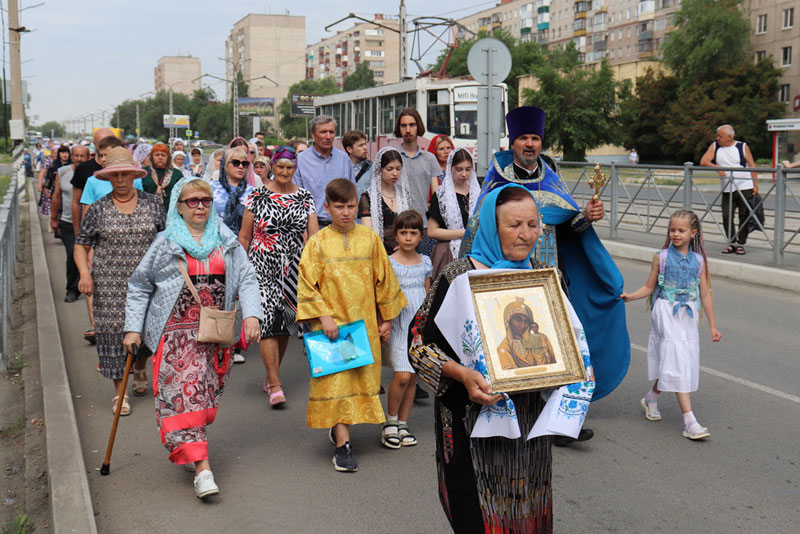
(216,326)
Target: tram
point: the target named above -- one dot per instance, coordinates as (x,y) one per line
(447,106)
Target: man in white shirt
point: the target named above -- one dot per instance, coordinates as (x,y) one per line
(737,186)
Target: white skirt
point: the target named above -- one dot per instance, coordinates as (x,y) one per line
(673,352)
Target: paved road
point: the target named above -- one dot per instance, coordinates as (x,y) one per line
(635,476)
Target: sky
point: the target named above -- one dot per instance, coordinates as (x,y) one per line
(88,56)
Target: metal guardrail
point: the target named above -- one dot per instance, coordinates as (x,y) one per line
(9,227)
(642,198)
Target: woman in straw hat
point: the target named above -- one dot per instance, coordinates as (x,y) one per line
(162,308)
(120,227)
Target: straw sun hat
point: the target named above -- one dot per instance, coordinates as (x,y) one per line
(119,159)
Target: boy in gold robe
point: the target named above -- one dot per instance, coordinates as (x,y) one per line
(344,276)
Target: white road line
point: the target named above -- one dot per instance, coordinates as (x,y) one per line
(736,379)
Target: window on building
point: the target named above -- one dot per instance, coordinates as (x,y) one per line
(788,18)
(786,56)
(761,24)
(785,93)
(761,54)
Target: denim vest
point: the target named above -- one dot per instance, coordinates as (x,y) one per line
(679,278)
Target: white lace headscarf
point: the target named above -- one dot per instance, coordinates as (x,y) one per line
(448,202)
(401,190)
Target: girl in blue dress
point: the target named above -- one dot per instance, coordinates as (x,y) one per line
(413,271)
(678,283)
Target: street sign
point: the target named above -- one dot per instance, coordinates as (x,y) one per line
(489,62)
(301,105)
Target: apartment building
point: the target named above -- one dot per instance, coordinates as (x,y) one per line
(269,50)
(178,72)
(339,55)
(776,33)
(631,32)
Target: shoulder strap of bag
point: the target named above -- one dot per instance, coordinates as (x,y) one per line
(189,283)
(740,148)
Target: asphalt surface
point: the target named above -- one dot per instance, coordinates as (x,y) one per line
(276,475)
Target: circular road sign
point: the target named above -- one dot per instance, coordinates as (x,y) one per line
(489,61)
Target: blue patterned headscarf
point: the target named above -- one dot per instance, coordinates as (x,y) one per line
(178,231)
(486,245)
(234,209)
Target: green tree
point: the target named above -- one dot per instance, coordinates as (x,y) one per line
(243,87)
(296,126)
(580,103)
(711,37)
(56,128)
(525,57)
(644,112)
(361,78)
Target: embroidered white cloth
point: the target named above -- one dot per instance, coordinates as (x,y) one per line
(566,407)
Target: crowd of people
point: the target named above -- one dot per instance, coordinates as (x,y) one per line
(309,237)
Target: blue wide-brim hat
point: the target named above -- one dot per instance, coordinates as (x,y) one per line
(525,120)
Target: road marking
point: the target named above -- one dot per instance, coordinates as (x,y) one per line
(736,379)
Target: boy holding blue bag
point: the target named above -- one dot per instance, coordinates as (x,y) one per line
(345,275)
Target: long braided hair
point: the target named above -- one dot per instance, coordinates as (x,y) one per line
(697,244)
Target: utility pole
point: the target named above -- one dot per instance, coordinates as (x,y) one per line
(14,31)
(403,42)
(171,117)
(235,101)
(138,125)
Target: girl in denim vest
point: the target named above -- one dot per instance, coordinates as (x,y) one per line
(678,283)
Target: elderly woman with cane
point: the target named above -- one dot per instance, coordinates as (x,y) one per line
(196,263)
(120,226)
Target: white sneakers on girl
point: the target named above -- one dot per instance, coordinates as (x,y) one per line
(204,485)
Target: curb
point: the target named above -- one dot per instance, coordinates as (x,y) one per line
(70,499)
(744,272)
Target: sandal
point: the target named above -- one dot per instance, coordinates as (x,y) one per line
(139,382)
(651,412)
(407,439)
(126,406)
(276,399)
(730,250)
(391,439)
(694,431)
(740,250)
(90,337)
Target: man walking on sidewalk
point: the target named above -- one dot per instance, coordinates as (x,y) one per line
(737,186)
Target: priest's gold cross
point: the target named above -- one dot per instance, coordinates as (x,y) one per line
(597,182)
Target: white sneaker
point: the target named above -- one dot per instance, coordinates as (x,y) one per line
(238,358)
(204,485)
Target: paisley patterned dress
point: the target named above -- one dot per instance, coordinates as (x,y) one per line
(279,221)
(190,375)
(120,241)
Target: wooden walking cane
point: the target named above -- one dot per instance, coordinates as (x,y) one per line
(106,468)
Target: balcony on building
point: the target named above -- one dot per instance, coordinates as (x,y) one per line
(600,46)
(646,9)
(579,27)
(581,6)
(645,48)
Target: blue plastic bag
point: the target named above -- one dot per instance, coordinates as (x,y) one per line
(350,350)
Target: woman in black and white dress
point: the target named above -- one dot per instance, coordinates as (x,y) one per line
(278,219)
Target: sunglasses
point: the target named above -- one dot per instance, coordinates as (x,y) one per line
(239,163)
(285,147)
(195,202)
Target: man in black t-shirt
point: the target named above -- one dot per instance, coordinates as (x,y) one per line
(82,173)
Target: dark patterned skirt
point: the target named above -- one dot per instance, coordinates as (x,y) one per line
(495,485)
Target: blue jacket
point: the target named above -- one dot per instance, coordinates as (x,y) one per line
(156,284)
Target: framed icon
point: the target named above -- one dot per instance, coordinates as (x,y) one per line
(528,339)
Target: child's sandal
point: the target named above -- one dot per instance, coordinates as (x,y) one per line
(694,431)
(390,439)
(407,439)
(651,412)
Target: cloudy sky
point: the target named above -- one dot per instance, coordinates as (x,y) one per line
(90,55)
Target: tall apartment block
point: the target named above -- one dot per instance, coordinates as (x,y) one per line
(177,72)
(269,50)
(630,33)
(339,55)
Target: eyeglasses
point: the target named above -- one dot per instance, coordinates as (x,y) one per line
(239,163)
(195,202)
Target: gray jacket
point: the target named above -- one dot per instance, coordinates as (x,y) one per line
(155,285)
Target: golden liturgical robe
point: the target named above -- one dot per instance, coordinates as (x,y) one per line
(347,275)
